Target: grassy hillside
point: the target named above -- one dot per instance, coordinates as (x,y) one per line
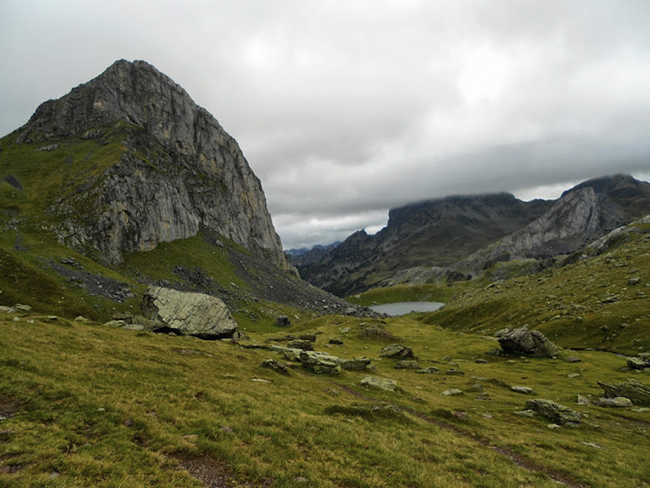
(88,405)
(405,293)
(600,302)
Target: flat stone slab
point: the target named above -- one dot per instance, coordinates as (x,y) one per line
(523,389)
(453,392)
(378,383)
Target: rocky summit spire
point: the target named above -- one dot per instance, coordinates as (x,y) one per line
(175,169)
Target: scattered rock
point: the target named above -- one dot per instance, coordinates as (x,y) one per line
(301,344)
(81,319)
(591,444)
(582,400)
(407,364)
(573,375)
(332,391)
(375,332)
(455,372)
(127,318)
(276,366)
(452,392)
(378,383)
(345,330)
(481,361)
(115,323)
(320,362)
(553,426)
(526,413)
(616,402)
(634,281)
(638,393)
(528,343)
(429,370)
(396,351)
(571,359)
(356,364)
(554,412)
(336,341)
(283,321)
(609,298)
(523,389)
(260,380)
(194,314)
(638,363)
(19,307)
(135,327)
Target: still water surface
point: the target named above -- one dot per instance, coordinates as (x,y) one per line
(402,308)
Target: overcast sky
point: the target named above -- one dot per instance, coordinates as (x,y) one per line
(345,109)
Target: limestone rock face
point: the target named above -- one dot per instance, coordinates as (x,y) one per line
(192,314)
(527,342)
(175,170)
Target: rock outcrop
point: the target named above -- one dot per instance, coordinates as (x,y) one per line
(173,169)
(635,391)
(194,314)
(527,342)
(554,411)
(396,351)
(320,362)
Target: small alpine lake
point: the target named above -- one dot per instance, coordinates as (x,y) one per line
(402,308)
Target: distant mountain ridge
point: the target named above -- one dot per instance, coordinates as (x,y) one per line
(464,235)
(305,255)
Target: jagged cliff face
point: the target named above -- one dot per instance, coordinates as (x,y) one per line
(580,216)
(456,237)
(432,233)
(177,169)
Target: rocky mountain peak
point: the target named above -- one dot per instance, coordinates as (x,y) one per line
(175,171)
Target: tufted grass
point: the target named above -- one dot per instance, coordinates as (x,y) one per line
(96,406)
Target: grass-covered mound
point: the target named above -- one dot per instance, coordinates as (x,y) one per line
(88,405)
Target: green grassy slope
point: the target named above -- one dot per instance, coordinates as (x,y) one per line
(87,405)
(589,304)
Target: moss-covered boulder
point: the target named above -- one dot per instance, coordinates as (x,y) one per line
(527,343)
(638,393)
(554,411)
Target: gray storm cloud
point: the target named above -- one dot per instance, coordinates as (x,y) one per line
(345,109)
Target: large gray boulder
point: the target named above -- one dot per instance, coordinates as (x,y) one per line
(194,314)
(527,343)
